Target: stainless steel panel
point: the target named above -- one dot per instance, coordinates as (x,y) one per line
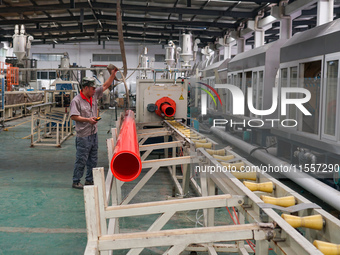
(317,41)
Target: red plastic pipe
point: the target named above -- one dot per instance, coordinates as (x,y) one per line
(126,164)
(165,106)
(168,110)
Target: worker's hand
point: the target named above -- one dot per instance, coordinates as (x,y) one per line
(92,120)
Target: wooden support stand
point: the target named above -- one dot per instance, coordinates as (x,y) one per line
(255,220)
(49,127)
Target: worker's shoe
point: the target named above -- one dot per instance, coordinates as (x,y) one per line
(89,183)
(77,185)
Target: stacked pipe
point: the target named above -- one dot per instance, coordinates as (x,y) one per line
(126,164)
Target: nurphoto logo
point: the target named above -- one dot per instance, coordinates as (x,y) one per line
(238,104)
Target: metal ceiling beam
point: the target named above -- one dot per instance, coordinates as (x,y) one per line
(134,40)
(298,6)
(126,7)
(202,7)
(125,19)
(202,24)
(69,29)
(114,35)
(137,39)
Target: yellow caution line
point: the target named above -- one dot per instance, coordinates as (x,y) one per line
(26,137)
(18,124)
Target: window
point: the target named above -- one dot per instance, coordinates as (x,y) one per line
(3,52)
(254,85)
(289,79)
(106,57)
(293,84)
(159,58)
(47,56)
(284,84)
(260,90)
(331,94)
(52,75)
(310,72)
(46,75)
(248,79)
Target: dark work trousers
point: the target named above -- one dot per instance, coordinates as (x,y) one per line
(87,155)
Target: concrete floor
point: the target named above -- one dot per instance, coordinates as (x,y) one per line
(39,211)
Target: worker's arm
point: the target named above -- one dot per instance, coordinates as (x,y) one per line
(109,81)
(78,118)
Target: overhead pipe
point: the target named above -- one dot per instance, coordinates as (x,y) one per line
(318,188)
(126,164)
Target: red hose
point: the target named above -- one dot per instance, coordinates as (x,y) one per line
(126,164)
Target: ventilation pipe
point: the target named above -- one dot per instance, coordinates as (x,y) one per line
(285,21)
(259,32)
(240,40)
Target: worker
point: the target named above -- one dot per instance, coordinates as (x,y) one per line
(84,113)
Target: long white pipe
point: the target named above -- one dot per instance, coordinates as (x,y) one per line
(319,189)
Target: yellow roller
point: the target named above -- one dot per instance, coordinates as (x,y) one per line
(280,201)
(245,175)
(194,136)
(314,221)
(228,157)
(265,186)
(199,140)
(216,152)
(327,248)
(233,166)
(203,145)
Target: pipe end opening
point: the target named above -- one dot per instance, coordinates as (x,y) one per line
(126,167)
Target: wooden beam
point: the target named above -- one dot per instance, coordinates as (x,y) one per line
(182,236)
(171,205)
(160,146)
(169,161)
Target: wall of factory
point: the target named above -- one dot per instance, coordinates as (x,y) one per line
(5,50)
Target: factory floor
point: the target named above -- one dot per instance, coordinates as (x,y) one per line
(39,211)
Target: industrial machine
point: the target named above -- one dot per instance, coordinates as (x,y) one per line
(310,60)
(165,98)
(267,215)
(21,48)
(145,64)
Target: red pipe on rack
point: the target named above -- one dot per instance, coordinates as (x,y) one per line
(126,164)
